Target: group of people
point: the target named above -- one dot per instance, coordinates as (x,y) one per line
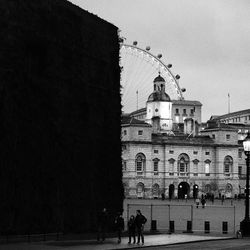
(135,225)
(203,202)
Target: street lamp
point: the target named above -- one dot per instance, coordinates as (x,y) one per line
(245,224)
(180,189)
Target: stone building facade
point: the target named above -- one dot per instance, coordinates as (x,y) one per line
(174,163)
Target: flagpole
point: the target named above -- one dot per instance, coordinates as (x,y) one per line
(136,99)
(228,103)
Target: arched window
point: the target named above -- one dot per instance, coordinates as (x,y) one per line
(229,188)
(140,163)
(228,165)
(183,164)
(156,166)
(155,190)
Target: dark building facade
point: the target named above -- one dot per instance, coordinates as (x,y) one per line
(59,117)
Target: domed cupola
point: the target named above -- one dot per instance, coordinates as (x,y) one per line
(159,79)
(159,94)
(159,106)
(159,97)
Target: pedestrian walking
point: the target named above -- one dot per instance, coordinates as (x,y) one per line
(102,221)
(119,224)
(203,202)
(197,202)
(140,221)
(131,230)
(222,199)
(212,198)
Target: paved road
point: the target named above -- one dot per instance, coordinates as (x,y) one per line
(235,244)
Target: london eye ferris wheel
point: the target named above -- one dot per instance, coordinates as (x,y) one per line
(139,68)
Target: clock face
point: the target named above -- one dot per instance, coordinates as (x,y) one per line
(156,110)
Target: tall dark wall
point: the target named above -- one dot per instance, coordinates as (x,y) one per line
(59,117)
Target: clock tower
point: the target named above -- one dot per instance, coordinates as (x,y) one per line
(159,107)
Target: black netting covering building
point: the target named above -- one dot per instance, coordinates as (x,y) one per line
(59,117)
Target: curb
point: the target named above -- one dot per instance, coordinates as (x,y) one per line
(171,244)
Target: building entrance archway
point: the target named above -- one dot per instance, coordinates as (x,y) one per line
(183,189)
(195,191)
(171,191)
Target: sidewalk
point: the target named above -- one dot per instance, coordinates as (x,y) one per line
(111,243)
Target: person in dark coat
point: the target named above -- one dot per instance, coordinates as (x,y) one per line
(102,221)
(119,224)
(131,229)
(140,220)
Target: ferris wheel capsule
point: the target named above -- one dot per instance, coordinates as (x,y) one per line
(138,74)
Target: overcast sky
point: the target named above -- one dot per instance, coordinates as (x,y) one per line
(208,43)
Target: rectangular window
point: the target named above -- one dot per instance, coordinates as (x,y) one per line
(156,151)
(207,153)
(177,111)
(171,168)
(228,137)
(239,171)
(213,136)
(184,112)
(140,132)
(125,132)
(207,169)
(171,151)
(191,111)
(155,167)
(195,167)
(240,153)
(124,166)
(195,152)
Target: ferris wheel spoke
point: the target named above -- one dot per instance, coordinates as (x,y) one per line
(140,67)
